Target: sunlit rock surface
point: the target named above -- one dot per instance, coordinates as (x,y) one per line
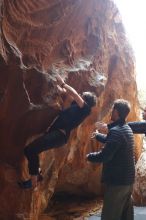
(37,38)
(139,193)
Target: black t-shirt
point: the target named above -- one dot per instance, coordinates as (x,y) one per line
(71,117)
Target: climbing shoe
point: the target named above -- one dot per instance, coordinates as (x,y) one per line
(27,184)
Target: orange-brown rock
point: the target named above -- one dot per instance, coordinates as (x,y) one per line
(139,192)
(87,40)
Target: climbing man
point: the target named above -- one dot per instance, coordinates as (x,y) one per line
(59,132)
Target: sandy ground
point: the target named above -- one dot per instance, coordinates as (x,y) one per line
(139,214)
(74,208)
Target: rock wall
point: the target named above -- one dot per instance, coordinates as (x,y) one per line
(83,38)
(139,192)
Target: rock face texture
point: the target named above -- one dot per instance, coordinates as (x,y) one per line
(139,192)
(85,42)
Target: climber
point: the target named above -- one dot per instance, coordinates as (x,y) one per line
(59,132)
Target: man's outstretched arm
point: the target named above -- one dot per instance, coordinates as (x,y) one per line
(138,127)
(107,153)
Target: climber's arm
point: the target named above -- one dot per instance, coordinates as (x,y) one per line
(71,91)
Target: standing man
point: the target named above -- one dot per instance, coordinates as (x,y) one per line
(118,161)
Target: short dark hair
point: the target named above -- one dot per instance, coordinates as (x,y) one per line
(89,98)
(123,107)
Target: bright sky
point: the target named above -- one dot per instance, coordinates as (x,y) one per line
(134,19)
